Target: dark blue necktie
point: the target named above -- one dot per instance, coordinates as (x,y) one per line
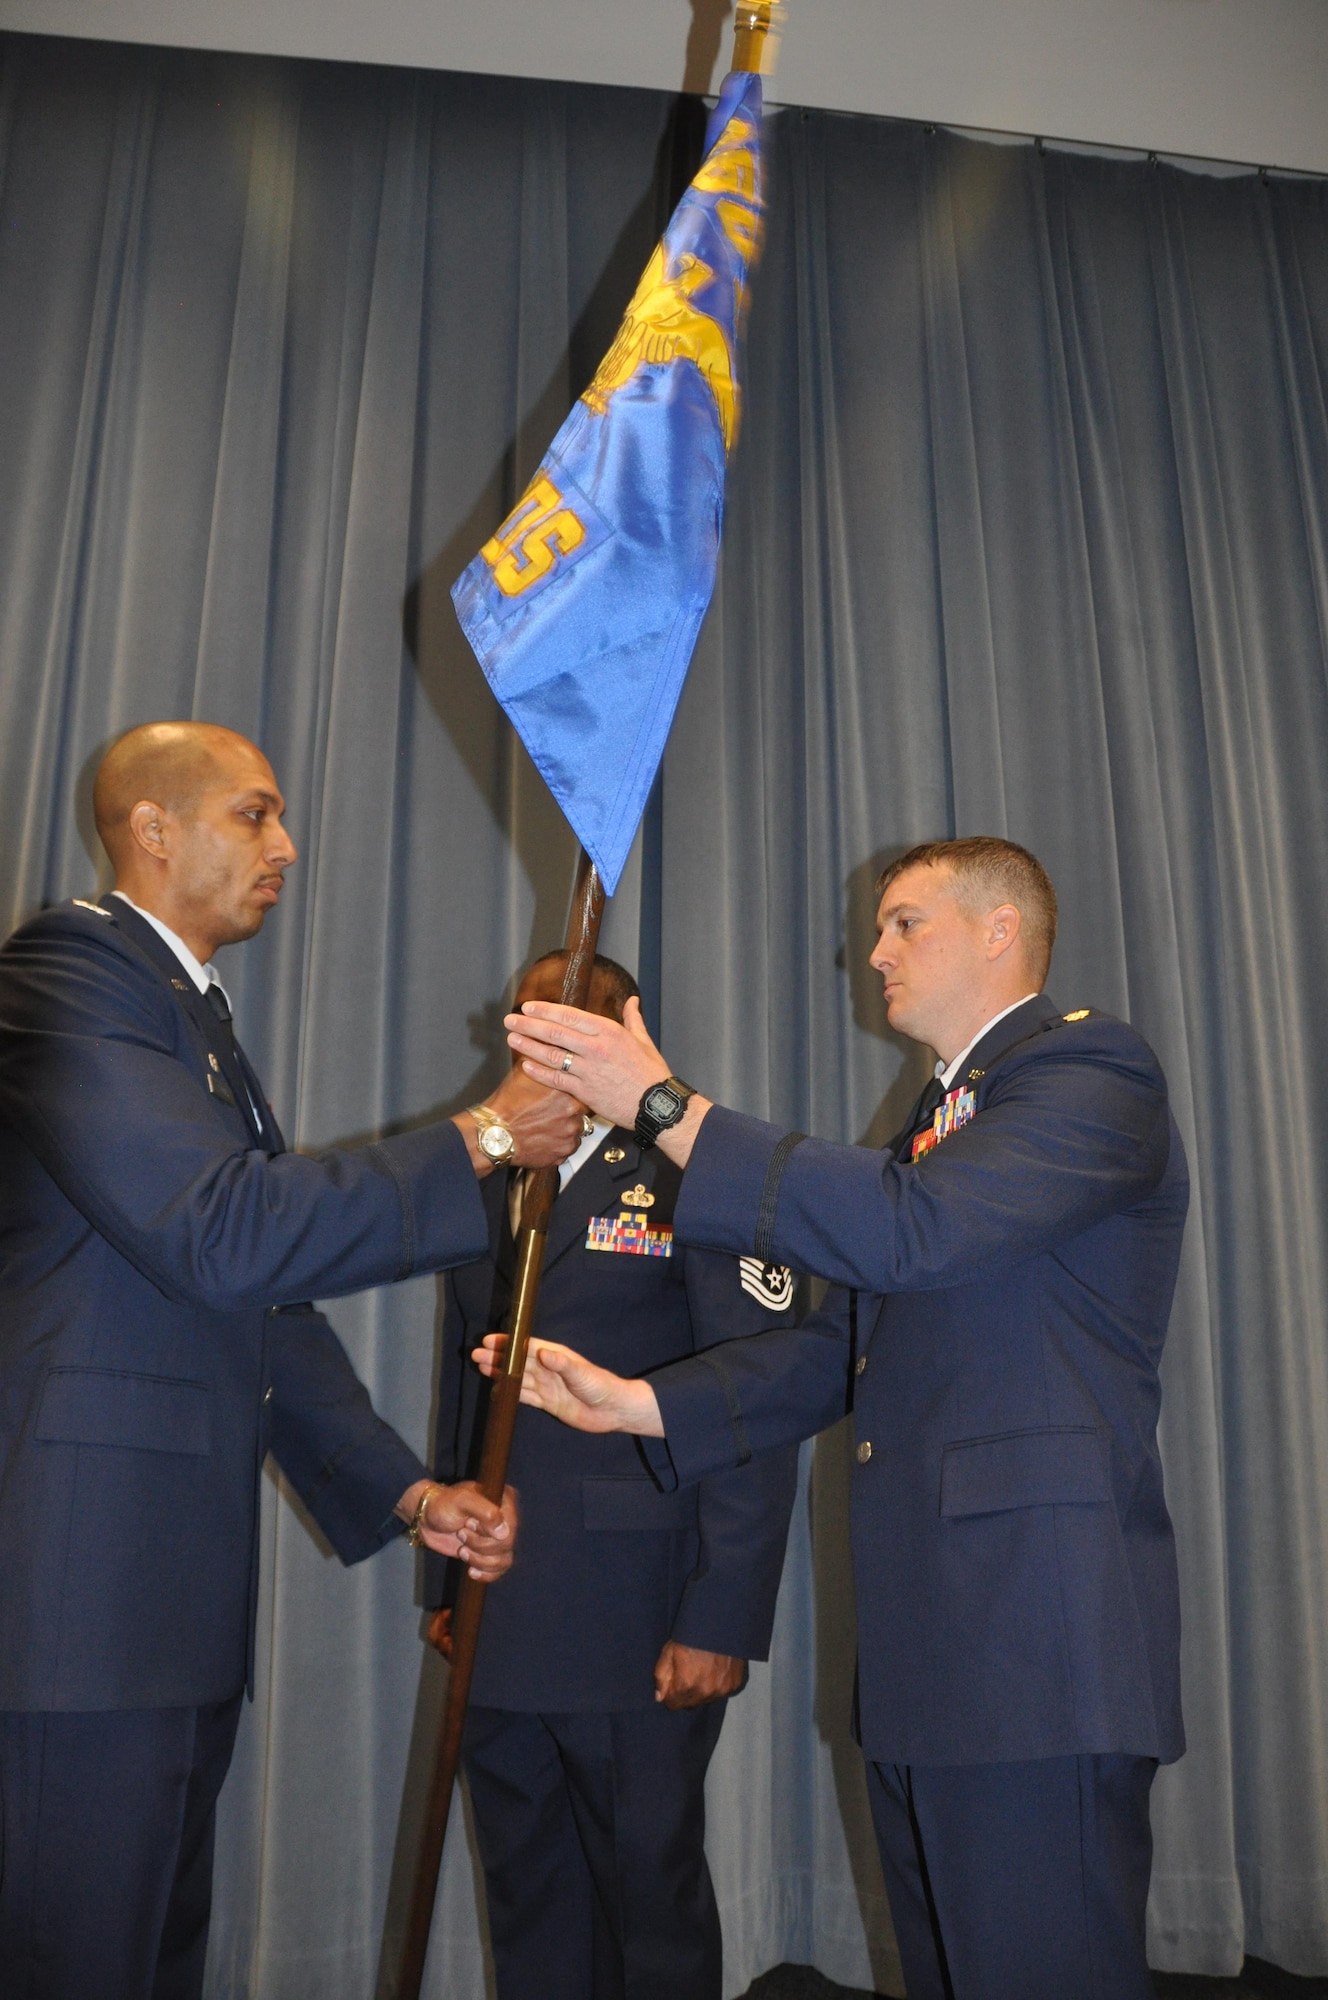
(220,1006)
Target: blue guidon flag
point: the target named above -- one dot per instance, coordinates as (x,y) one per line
(583,609)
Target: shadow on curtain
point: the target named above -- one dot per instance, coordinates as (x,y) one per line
(1026,535)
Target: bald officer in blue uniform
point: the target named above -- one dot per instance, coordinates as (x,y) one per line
(157,1245)
(1002,1277)
(607,1660)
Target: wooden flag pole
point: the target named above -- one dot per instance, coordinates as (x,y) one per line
(755,45)
(504,1402)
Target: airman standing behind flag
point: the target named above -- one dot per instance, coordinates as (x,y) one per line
(601,1686)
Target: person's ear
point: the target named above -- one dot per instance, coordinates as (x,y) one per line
(1002,930)
(148,826)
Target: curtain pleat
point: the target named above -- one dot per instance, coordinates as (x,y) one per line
(1025,534)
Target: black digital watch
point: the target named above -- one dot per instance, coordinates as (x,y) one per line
(661,1106)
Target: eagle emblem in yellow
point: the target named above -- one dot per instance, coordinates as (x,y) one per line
(663,322)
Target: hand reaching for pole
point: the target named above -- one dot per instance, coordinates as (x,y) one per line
(567,1386)
(607,1065)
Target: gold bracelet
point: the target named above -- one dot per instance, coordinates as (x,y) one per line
(413,1534)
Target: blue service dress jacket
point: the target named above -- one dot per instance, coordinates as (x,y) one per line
(157,1244)
(995,1324)
(609,1567)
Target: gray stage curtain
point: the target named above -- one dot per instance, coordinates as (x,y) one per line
(1026,535)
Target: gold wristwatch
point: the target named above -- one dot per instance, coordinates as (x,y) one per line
(495,1141)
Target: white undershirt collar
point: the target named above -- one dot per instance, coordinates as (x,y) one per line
(203,976)
(947,1072)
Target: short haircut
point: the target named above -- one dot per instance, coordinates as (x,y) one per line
(988,871)
(616,982)
(170,763)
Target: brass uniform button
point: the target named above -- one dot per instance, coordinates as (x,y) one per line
(860,1364)
(864,1451)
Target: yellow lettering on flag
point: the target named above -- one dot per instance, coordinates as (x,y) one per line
(537,531)
(730,168)
(741,225)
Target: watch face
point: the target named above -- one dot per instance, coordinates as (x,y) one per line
(661,1101)
(497,1143)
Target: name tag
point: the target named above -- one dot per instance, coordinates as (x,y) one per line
(221,1089)
(630,1235)
(954,1110)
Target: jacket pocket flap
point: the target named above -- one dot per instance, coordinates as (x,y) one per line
(1058,1466)
(107,1406)
(636,1504)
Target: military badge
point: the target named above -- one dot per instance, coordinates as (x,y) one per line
(629,1235)
(1079,1014)
(81,903)
(954,1110)
(613,1155)
(638,1197)
(769,1284)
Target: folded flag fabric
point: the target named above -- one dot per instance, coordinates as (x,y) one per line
(583,609)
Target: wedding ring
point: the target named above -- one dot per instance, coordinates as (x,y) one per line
(567,1063)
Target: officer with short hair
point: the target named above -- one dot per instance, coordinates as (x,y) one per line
(1002,1277)
(158,1246)
(606,1661)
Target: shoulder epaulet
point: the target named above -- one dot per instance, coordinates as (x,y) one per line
(81,903)
(1059,1020)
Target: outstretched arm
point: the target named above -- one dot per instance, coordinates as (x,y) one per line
(716,1409)
(1076,1128)
(574,1390)
(94,1082)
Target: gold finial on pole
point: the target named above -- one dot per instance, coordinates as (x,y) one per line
(757,27)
